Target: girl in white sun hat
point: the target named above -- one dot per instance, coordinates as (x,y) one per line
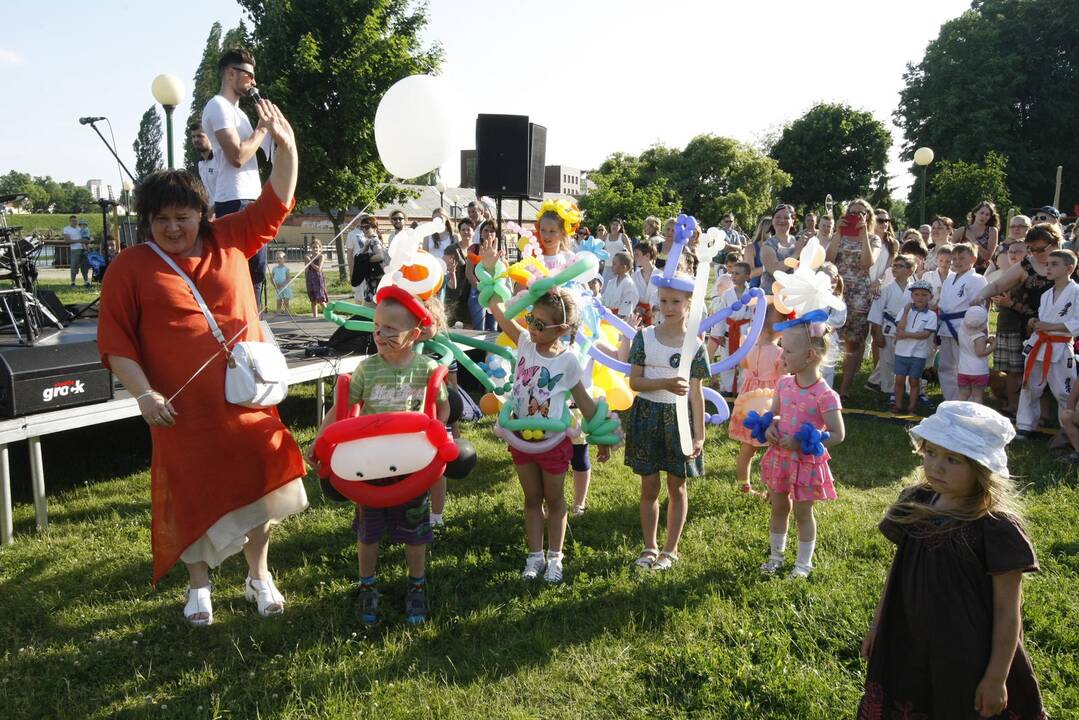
(946,640)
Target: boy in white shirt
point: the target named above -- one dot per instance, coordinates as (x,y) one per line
(937,277)
(726,337)
(913,336)
(1050,360)
(619,292)
(956,294)
(884,312)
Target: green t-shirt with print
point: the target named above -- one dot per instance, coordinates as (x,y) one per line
(382,387)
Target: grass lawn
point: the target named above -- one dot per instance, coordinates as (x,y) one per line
(84,634)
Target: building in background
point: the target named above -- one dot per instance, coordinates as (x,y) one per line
(468,168)
(96,188)
(562,179)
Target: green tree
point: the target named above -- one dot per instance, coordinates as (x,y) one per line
(620,192)
(329,62)
(716,175)
(835,149)
(957,186)
(147,144)
(204,86)
(1001,78)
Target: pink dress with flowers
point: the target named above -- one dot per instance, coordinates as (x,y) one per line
(804,477)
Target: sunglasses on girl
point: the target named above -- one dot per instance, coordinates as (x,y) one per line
(539,326)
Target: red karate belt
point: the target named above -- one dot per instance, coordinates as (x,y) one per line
(734,335)
(1046,342)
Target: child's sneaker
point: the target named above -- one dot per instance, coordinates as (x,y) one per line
(417,610)
(554,570)
(771,565)
(367,601)
(534,565)
(801,572)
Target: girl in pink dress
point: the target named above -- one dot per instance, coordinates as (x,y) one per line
(761,368)
(806,422)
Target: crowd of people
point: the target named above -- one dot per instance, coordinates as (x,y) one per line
(224,474)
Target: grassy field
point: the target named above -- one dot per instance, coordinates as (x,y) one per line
(84,635)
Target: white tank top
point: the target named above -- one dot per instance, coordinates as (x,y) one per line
(660,362)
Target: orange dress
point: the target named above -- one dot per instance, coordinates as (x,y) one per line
(218,457)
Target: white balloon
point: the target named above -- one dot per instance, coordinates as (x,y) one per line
(412,129)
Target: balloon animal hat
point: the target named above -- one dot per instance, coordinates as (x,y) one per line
(805,294)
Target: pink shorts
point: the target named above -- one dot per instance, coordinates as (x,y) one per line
(553,462)
(974,381)
(790,473)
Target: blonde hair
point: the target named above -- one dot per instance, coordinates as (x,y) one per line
(993,495)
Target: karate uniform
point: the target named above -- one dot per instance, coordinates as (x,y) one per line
(733,329)
(1050,359)
(620,295)
(886,311)
(956,292)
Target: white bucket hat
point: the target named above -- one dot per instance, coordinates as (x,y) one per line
(976,317)
(971,430)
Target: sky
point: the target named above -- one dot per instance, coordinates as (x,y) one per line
(603,76)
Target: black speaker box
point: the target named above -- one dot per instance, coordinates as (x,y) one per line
(50,377)
(49,299)
(510,156)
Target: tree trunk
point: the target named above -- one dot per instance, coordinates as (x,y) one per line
(342,259)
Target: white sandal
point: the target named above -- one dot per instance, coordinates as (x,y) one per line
(198,602)
(266,595)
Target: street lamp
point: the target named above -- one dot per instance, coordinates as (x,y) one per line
(923,156)
(169,92)
(441,187)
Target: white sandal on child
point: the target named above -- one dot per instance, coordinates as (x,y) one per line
(266,595)
(198,603)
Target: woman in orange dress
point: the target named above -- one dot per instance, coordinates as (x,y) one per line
(221,474)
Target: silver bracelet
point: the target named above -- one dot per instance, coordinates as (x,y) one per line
(148,392)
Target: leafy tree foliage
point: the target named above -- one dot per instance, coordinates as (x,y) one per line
(1002,77)
(834,149)
(957,186)
(45,194)
(147,144)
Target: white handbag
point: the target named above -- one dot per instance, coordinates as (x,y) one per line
(257,373)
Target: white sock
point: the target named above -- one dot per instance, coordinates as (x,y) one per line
(553,556)
(779,544)
(805,553)
(436,517)
(535,555)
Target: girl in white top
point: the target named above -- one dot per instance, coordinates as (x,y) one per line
(617,241)
(975,347)
(644,255)
(620,293)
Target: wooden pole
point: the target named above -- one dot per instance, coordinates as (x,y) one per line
(1056,195)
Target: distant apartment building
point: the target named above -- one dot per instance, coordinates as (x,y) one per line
(96,188)
(468,169)
(562,179)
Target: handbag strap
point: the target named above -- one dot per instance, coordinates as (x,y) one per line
(214,327)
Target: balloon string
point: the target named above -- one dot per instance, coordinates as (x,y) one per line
(224,348)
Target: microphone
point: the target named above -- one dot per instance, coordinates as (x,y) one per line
(253,93)
(89,120)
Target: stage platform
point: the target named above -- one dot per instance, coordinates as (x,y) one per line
(292,333)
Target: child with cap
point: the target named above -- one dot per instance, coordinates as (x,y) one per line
(975,347)
(946,639)
(915,327)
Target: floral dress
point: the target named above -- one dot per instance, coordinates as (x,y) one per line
(856,283)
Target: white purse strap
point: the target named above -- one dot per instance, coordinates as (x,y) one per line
(214,327)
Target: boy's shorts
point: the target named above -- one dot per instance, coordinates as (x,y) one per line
(909,366)
(974,381)
(580,461)
(409,523)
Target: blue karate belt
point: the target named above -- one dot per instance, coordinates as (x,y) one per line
(947,318)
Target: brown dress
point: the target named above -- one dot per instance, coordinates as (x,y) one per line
(218,457)
(936,628)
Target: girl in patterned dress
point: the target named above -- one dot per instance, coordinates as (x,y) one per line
(795,466)
(652,441)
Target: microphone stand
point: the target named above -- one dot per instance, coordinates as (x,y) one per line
(133,180)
